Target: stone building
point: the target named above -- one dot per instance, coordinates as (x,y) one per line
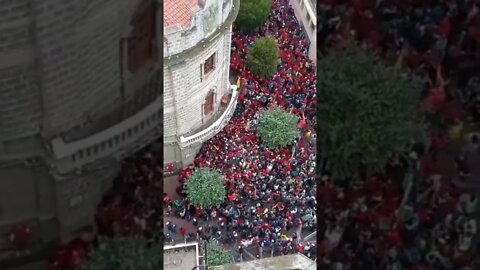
(80,88)
(199,98)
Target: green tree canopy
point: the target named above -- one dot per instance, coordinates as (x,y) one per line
(368,112)
(217,255)
(206,188)
(277,128)
(262,58)
(123,253)
(252,14)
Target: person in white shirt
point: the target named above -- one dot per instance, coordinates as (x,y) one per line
(334,235)
(467,203)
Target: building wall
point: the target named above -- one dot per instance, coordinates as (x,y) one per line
(60,65)
(78,65)
(180,40)
(78,45)
(188,88)
(305,11)
(20,106)
(27,196)
(78,195)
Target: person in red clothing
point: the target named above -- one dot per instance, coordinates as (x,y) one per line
(78,250)
(232,197)
(394,238)
(300,248)
(20,237)
(436,97)
(303,122)
(183,231)
(166,199)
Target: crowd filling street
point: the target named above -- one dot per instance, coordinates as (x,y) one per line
(271,193)
(372,223)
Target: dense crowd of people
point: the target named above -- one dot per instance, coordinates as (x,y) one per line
(271,193)
(380,222)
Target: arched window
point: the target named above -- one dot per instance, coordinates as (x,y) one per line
(142,48)
(208,107)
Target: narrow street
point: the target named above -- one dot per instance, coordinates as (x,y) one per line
(251,253)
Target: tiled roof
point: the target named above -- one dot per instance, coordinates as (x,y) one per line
(178,12)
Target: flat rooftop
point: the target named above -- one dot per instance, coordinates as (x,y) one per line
(180,257)
(287,262)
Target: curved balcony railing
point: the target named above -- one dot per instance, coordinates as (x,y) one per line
(117,141)
(214,128)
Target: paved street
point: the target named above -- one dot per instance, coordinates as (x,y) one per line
(250,253)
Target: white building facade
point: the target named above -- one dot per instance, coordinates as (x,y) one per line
(199,99)
(306,13)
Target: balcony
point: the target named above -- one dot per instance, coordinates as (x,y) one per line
(208,131)
(117,141)
(218,114)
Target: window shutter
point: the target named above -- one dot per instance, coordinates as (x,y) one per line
(141,46)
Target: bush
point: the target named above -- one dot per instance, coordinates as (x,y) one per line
(206,188)
(122,253)
(368,112)
(277,128)
(217,255)
(262,58)
(252,14)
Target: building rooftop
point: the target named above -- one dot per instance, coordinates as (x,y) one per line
(181,256)
(178,12)
(288,262)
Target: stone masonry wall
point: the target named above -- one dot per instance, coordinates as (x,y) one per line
(20,107)
(60,63)
(191,88)
(78,50)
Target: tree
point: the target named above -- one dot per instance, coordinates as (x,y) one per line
(206,188)
(217,255)
(262,58)
(125,253)
(368,112)
(277,128)
(252,14)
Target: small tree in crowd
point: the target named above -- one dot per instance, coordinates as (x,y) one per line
(262,58)
(368,112)
(123,253)
(277,128)
(252,14)
(217,255)
(206,188)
